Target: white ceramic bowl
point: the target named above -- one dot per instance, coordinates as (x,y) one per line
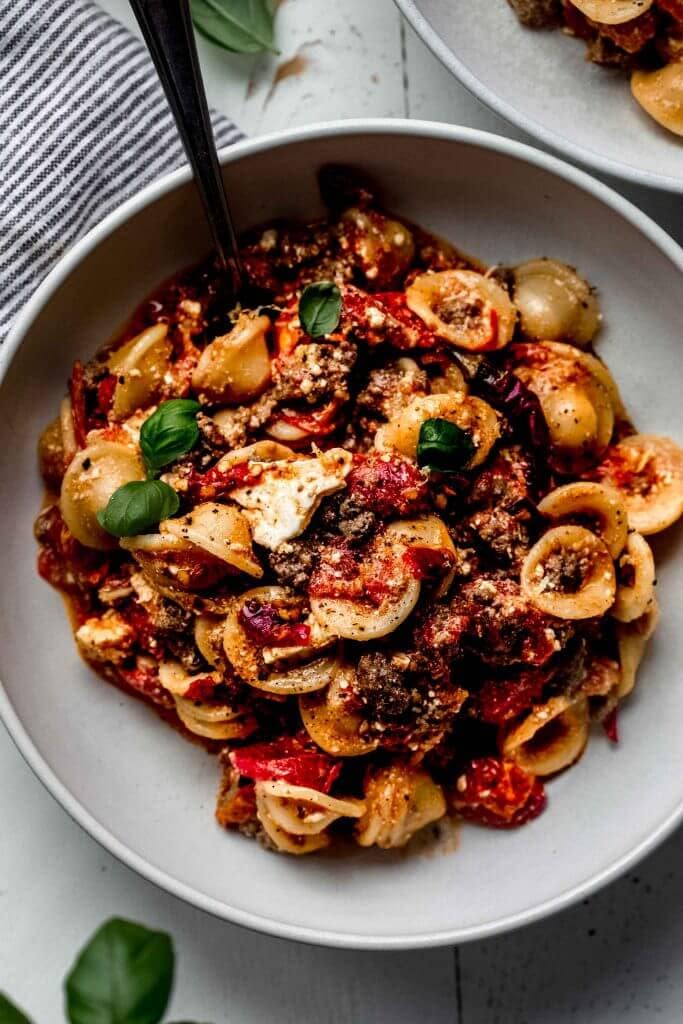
(541,82)
(132,782)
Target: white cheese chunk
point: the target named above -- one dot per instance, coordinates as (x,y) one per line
(281,504)
(107,638)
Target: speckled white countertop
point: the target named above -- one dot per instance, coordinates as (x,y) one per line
(617,958)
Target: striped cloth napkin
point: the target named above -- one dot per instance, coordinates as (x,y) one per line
(83,125)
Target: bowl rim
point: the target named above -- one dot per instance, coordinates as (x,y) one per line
(19,734)
(546,136)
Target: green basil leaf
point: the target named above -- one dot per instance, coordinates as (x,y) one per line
(138,507)
(320,308)
(123,976)
(11,1014)
(241,26)
(169,432)
(444,447)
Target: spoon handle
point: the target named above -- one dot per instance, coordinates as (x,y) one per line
(167,28)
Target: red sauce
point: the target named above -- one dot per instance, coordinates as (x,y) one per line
(426,562)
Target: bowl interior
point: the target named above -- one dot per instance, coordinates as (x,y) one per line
(136,779)
(542,82)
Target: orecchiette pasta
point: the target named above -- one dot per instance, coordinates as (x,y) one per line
(470,310)
(636,580)
(331,724)
(596,504)
(648,472)
(467,412)
(399,801)
(569,573)
(235,367)
(210,719)
(660,94)
(92,477)
(552,737)
(139,367)
(632,639)
(295,818)
(360,619)
(414,610)
(555,302)
(612,12)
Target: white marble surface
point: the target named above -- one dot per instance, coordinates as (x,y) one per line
(616,958)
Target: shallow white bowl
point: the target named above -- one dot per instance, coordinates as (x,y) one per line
(131,781)
(541,82)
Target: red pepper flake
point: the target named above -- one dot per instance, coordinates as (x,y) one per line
(498,793)
(77,396)
(289,759)
(610,725)
(387,485)
(265,626)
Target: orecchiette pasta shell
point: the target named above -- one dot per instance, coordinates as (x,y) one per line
(208,636)
(400,800)
(612,12)
(174,678)
(600,505)
(660,94)
(235,367)
(632,639)
(221,530)
(648,472)
(242,654)
(569,573)
(89,482)
(471,414)
(555,302)
(451,382)
(426,532)
(308,678)
(284,841)
(303,811)
(636,573)
(260,451)
(358,620)
(140,367)
(330,725)
(213,721)
(552,737)
(467,309)
(577,406)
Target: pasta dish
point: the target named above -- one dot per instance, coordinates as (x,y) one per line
(377,538)
(641,37)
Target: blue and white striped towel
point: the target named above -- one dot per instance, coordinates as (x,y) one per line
(83,125)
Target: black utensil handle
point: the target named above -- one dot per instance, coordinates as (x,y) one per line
(167,28)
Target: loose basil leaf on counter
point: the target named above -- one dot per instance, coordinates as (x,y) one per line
(169,432)
(11,1014)
(320,308)
(443,446)
(241,26)
(123,976)
(138,507)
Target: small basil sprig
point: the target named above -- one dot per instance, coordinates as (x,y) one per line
(137,507)
(10,1013)
(320,308)
(169,432)
(444,447)
(241,26)
(124,974)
